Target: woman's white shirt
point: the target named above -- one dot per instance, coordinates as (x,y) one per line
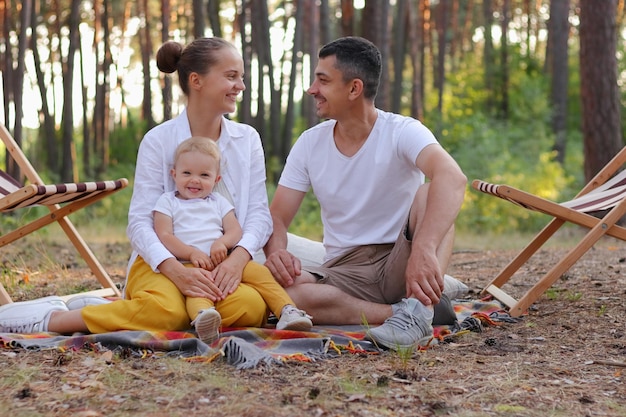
(243,173)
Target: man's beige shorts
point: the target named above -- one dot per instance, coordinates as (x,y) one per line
(372,272)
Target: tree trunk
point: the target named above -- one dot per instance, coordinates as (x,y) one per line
(68,173)
(86,154)
(375,28)
(287,134)
(275,104)
(261,44)
(18,80)
(467,30)
(98,118)
(527,11)
(198,18)
(558,34)
(504,61)
(243,18)
(399,52)
(383,97)
(49,131)
(312,49)
(442,28)
(599,91)
(101,112)
(166,90)
(416,42)
(213,11)
(102,150)
(347,18)
(145,41)
(124,114)
(454,39)
(488,54)
(7,82)
(325,20)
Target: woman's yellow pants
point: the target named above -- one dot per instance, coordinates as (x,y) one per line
(154,303)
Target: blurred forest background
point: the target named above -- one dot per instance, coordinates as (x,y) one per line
(524,92)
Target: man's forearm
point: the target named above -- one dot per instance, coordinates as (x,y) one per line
(445,197)
(278,239)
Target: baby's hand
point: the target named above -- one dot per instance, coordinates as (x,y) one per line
(219,251)
(202,260)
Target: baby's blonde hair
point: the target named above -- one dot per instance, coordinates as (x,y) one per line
(200,144)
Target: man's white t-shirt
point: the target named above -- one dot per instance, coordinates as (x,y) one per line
(197,222)
(365,198)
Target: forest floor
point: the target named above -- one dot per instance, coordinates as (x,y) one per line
(566,357)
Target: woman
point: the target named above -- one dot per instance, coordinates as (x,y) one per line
(210,72)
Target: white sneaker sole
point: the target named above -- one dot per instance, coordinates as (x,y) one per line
(80,301)
(394,345)
(301,325)
(207,326)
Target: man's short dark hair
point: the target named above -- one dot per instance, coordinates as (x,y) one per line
(356,58)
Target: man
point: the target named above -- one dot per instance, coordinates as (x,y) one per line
(388,234)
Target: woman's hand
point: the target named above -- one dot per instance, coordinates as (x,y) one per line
(227,275)
(191,282)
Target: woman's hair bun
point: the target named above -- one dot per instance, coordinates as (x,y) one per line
(168,55)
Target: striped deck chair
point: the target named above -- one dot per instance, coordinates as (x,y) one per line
(61,200)
(604,196)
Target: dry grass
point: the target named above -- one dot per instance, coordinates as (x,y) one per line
(566,358)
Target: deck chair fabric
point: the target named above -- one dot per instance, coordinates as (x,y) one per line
(61,200)
(598,207)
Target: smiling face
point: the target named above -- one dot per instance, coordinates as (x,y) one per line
(195,175)
(221,86)
(329,89)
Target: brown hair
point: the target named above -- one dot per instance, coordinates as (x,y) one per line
(198,56)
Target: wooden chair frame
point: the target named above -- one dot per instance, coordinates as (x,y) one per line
(57,214)
(575,211)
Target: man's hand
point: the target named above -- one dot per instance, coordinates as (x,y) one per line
(284,267)
(424,279)
(191,282)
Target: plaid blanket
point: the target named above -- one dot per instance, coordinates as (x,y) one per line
(251,347)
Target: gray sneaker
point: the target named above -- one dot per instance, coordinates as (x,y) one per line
(29,316)
(207,325)
(410,323)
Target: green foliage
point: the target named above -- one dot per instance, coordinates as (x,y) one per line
(516,151)
(307,221)
(124,142)
(273,167)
